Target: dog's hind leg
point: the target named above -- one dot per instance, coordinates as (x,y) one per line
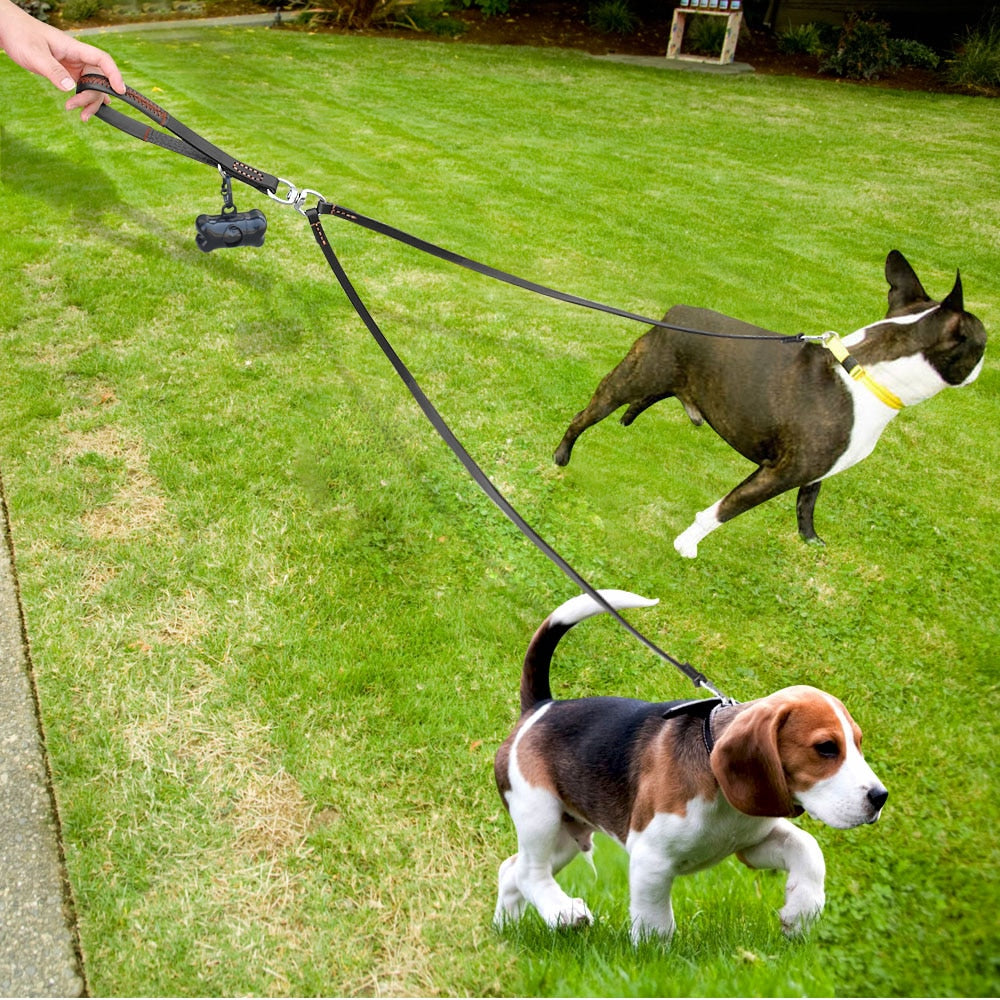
(637,380)
(805,504)
(546,844)
(574,839)
(510,901)
(636,408)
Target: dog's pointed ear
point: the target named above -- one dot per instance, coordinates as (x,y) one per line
(904,285)
(955,300)
(746,762)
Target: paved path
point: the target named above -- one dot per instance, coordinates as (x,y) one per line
(37,938)
(244,20)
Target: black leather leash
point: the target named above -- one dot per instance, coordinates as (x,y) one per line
(187,142)
(482,480)
(512,279)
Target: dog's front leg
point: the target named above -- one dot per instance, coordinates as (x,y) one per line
(705,522)
(805,504)
(790,849)
(765,483)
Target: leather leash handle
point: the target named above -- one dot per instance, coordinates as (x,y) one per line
(183,140)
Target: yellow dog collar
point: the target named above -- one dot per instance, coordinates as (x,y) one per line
(836,347)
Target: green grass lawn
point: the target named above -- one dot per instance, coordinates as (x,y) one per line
(277,631)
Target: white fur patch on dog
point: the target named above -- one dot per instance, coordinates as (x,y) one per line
(576,609)
(841,801)
(858,337)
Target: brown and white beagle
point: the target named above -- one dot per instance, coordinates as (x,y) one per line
(680,785)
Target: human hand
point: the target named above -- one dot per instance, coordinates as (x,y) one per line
(60,58)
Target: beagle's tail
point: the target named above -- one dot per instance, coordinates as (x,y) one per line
(535,686)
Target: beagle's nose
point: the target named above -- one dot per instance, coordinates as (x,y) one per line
(877,797)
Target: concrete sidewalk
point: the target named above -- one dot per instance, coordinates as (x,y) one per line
(236,20)
(38,943)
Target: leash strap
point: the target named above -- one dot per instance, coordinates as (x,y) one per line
(852,366)
(183,140)
(482,480)
(451,257)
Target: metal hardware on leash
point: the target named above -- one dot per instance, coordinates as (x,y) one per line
(296,197)
(228,205)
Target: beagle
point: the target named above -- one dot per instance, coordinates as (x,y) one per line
(680,785)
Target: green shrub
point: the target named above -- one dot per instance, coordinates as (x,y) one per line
(489,8)
(82,10)
(431,16)
(360,13)
(907,52)
(705,35)
(492,7)
(805,39)
(36,8)
(976,64)
(865,51)
(613,17)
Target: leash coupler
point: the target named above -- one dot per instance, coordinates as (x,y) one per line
(212,235)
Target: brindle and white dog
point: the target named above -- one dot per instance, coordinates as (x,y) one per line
(792,408)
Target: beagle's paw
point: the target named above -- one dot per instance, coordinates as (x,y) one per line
(574,913)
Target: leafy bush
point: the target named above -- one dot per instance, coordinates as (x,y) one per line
(489,8)
(360,13)
(613,17)
(431,16)
(705,35)
(907,52)
(36,8)
(82,10)
(805,39)
(865,51)
(976,65)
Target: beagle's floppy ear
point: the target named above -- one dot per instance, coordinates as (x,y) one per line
(747,765)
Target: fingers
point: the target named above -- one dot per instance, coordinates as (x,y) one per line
(103,63)
(89,102)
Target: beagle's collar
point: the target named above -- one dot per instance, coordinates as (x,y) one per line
(705,709)
(852,366)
